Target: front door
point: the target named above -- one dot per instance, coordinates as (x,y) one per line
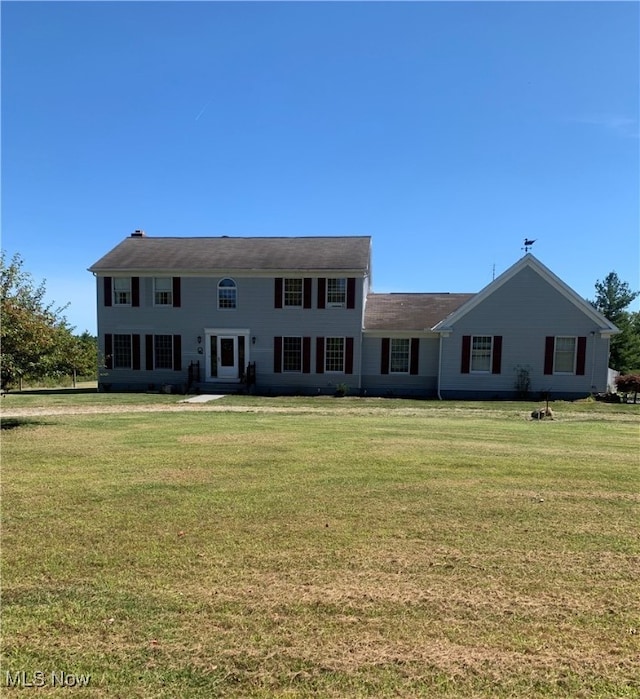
(225,353)
(227,357)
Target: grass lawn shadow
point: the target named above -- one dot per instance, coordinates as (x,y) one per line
(52,391)
(11,423)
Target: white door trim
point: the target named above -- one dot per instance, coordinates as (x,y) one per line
(229,373)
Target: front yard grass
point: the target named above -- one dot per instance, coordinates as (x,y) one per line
(329,548)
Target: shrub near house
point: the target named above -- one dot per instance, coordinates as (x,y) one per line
(629,383)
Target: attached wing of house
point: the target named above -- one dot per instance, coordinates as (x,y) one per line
(297,315)
(399,344)
(526,332)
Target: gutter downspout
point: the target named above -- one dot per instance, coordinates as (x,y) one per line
(593,361)
(362,329)
(361,339)
(439,366)
(95,276)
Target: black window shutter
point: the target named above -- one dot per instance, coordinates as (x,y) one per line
(148,352)
(322,292)
(581,356)
(277,355)
(319,355)
(414,357)
(135,352)
(278,292)
(306,355)
(384,355)
(108,351)
(549,349)
(348,356)
(351,292)
(496,365)
(465,364)
(241,352)
(135,291)
(306,292)
(177,352)
(213,340)
(176,292)
(107,291)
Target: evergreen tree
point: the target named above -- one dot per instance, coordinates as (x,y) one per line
(613,297)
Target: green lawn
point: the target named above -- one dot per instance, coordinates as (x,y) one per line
(259,547)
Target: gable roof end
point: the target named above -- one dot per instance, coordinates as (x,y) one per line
(606,327)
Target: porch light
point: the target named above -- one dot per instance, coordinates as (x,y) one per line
(199,339)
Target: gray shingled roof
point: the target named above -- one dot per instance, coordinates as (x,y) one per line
(139,254)
(410,311)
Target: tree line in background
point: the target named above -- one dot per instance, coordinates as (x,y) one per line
(613,298)
(38,343)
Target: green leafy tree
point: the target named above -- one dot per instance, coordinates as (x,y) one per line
(81,356)
(73,355)
(613,297)
(34,335)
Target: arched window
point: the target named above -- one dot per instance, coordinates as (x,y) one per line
(227,294)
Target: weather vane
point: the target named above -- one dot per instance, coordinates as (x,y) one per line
(527,244)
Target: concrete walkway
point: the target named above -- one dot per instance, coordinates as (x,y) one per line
(204,398)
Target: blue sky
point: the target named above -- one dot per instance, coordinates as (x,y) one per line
(447,131)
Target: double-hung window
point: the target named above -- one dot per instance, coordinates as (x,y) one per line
(163,291)
(399,355)
(122,291)
(564,359)
(565,354)
(334,354)
(336,293)
(481,349)
(163,351)
(122,352)
(293,293)
(481,354)
(292,354)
